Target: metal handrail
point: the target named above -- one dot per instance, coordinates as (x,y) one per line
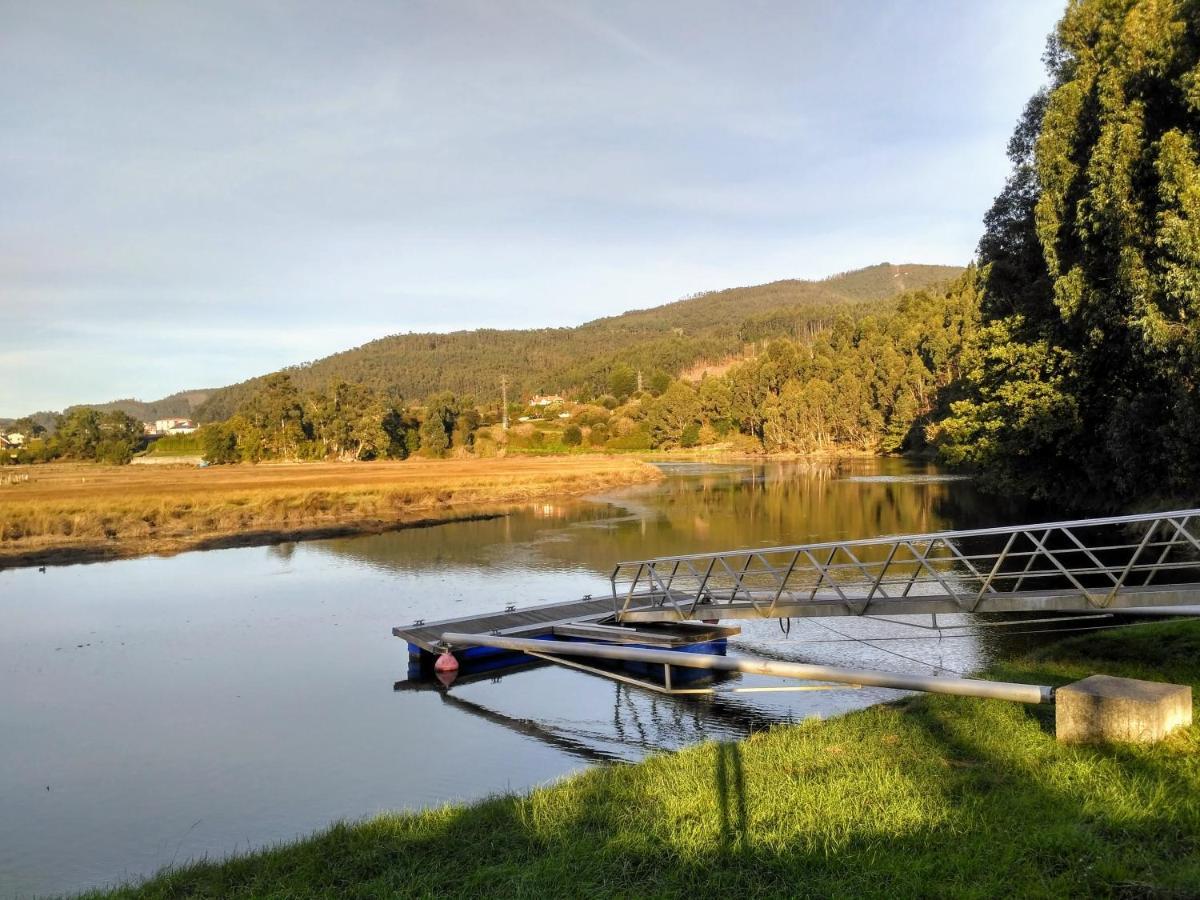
(771,581)
(973,532)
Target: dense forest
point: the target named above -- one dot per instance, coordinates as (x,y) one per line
(1083,385)
(870,383)
(578,361)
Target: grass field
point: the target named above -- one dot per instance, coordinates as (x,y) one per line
(936,796)
(67,513)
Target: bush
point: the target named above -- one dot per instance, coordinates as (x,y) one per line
(745,443)
(114,452)
(434,440)
(219,444)
(690,436)
(590,415)
(572,436)
(634,440)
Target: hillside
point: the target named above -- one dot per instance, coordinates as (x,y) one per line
(182,404)
(667,339)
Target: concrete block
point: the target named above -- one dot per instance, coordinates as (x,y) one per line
(1104,708)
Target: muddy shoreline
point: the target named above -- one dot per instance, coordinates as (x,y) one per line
(91,514)
(92,552)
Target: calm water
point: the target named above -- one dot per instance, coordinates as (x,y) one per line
(158,710)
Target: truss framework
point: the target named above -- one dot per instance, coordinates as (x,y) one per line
(1110,563)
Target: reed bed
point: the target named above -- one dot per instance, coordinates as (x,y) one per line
(70,512)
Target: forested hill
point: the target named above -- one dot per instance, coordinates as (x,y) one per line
(663,340)
(183,404)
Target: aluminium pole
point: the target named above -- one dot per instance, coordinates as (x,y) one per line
(964,687)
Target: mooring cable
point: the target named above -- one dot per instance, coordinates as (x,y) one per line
(866,642)
(848,639)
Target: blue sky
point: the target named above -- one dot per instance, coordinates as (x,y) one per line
(194,193)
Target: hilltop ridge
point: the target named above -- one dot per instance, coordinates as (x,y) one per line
(705,330)
(668,338)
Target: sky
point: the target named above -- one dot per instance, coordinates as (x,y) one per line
(194,193)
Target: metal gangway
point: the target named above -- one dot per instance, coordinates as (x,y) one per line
(1121,562)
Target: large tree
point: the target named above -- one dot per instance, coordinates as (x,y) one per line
(1084,386)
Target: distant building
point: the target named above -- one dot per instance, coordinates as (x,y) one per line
(546,400)
(16,439)
(174,426)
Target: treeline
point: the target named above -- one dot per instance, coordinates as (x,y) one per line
(872,385)
(869,384)
(1083,387)
(878,382)
(81,434)
(344,422)
(662,341)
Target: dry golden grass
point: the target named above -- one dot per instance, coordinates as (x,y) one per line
(71,512)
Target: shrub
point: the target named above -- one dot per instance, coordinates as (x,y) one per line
(218,443)
(634,440)
(114,452)
(590,415)
(572,436)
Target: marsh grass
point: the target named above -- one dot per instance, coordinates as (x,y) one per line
(129,510)
(934,796)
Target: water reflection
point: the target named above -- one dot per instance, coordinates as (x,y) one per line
(212,702)
(707,508)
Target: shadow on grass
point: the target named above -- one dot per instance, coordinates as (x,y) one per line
(731,797)
(937,796)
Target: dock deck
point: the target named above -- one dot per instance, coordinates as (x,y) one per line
(586,619)
(512,622)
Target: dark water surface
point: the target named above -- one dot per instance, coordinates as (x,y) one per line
(154,711)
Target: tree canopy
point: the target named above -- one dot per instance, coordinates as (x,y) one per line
(1083,385)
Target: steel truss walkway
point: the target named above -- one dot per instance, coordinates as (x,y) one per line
(1121,562)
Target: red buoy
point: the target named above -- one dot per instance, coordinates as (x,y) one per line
(446,663)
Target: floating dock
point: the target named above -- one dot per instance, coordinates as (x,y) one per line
(588,619)
(669,608)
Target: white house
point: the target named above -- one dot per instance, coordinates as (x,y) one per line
(546,400)
(174,426)
(16,439)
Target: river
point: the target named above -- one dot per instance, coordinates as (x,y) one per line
(158,710)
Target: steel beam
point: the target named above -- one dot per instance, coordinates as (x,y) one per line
(963,687)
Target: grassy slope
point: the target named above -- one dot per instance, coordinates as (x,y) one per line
(936,796)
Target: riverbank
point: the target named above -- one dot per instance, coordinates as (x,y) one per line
(931,796)
(68,513)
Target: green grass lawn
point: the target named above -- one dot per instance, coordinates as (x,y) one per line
(934,796)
